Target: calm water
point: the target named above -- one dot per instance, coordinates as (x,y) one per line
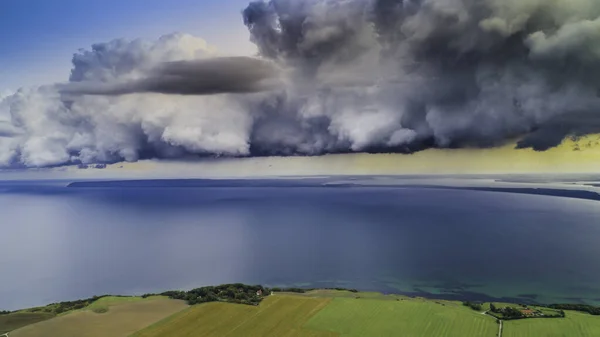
(66,243)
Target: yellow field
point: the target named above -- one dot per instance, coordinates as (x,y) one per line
(124,317)
(576,324)
(277,316)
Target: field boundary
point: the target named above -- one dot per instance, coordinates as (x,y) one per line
(275,316)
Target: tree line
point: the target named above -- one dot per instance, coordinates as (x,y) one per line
(232,293)
(473,305)
(510,313)
(590,309)
(61,307)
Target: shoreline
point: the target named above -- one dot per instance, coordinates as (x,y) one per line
(77,304)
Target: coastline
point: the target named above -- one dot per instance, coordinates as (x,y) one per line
(181,294)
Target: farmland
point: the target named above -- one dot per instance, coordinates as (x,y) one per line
(574,324)
(368,317)
(346,314)
(103,305)
(19,319)
(109,317)
(279,315)
(314,313)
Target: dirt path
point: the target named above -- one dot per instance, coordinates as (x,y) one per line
(499,325)
(500,329)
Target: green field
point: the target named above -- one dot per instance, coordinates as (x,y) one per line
(547,311)
(123,317)
(576,324)
(329,293)
(19,319)
(103,305)
(317,313)
(277,316)
(368,317)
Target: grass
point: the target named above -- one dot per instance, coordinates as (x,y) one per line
(124,317)
(97,305)
(112,300)
(103,305)
(277,316)
(319,313)
(368,317)
(323,313)
(547,311)
(574,324)
(34,315)
(17,320)
(329,293)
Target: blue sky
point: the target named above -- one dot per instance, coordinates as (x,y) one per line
(39,37)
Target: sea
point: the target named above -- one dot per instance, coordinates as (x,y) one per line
(62,242)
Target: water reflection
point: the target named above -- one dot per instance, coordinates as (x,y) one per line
(66,244)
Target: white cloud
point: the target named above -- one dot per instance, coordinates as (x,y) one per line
(359,76)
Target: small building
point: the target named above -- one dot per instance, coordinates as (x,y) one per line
(528,312)
(259,292)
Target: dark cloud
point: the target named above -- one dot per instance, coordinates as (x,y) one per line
(552,133)
(195,77)
(460,73)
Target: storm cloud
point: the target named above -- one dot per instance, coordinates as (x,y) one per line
(331,77)
(193,77)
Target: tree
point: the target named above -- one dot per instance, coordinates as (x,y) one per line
(472,305)
(511,313)
(579,307)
